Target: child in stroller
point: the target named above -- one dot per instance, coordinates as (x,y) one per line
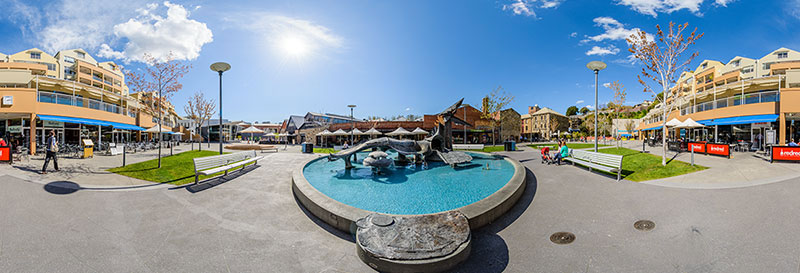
(546,158)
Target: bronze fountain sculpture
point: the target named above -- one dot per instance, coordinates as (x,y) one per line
(437,147)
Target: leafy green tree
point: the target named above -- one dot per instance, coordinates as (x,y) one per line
(572,110)
(584,110)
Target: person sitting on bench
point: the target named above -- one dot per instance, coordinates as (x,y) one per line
(563,151)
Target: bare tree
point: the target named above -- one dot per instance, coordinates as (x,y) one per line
(199,110)
(159,81)
(491,106)
(552,126)
(661,65)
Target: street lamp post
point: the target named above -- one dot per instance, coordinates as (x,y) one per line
(220,67)
(352,124)
(595,66)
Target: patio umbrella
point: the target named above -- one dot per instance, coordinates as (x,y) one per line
(357,132)
(399,132)
(689,123)
(674,122)
(339,132)
(154,129)
(419,131)
(372,132)
(252,130)
(324,133)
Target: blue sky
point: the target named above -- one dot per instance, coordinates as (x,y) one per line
(393,57)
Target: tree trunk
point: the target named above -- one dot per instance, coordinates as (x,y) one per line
(664,136)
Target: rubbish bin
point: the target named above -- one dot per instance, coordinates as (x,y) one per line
(307,148)
(88,148)
(513,145)
(507,146)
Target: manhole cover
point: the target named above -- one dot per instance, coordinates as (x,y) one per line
(562,238)
(644,225)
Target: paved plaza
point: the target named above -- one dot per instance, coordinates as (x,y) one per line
(252,223)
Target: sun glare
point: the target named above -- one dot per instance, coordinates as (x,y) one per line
(294,46)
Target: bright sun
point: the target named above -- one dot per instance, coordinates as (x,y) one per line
(294,46)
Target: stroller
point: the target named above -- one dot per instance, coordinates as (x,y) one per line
(546,158)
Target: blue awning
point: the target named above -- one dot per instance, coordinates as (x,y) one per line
(740,120)
(123,126)
(87,121)
(654,128)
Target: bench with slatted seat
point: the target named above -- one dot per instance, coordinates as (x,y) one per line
(223,163)
(605,162)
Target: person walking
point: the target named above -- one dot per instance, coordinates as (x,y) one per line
(51,149)
(3,142)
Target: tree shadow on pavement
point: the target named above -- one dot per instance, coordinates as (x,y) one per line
(489,250)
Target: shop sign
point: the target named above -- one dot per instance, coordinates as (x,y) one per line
(718,149)
(8,100)
(761,125)
(50,123)
(785,153)
(697,147)
(674,146)
(771,137)
(15,129)
(5,154)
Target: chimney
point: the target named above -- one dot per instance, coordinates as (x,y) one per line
(533,109)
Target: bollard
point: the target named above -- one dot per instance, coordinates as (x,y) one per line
(170,148)
(692,155)
(124,151)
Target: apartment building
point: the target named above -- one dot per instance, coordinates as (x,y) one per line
(542,123)
(737,101)
(72,94)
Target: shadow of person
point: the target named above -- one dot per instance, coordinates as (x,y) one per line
(61,187)
(489,250)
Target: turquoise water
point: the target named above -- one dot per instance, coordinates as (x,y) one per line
(410,189)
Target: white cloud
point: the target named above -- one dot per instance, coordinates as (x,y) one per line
(573,35)
(408,108)
(526,7)
(607,85)
(579,102)
(277,29)
(613,30)
(653,7)
(589,106)
(159,36)
(601,51)
(627,61)
(723,3)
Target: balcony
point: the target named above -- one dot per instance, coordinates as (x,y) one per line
(78,101)
(751,98)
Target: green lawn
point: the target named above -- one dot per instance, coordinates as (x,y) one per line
(177,169)
(637,166)
(324,151)
(570,145)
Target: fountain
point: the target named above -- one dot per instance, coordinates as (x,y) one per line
(410,217)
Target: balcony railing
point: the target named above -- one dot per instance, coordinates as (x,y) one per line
(50,97)
(759,97)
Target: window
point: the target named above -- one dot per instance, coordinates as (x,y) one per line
(748,69)
(766,66)
(704,66)
(68,59)
(51,67)
(81,55)
(783,55)
(735,63)
(36,55)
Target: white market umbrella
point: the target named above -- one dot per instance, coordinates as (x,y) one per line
(372,132)
(399,132)
(251,130)
(689,123)
(357,132)
(324,133)
(339,132)
(419,131)
(674,122)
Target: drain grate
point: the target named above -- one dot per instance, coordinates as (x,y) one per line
(644,225)
(562,238)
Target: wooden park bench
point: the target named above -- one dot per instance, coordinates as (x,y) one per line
(218,163)
(605,162)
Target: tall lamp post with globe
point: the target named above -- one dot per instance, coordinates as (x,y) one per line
(595,66)
(220,67)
